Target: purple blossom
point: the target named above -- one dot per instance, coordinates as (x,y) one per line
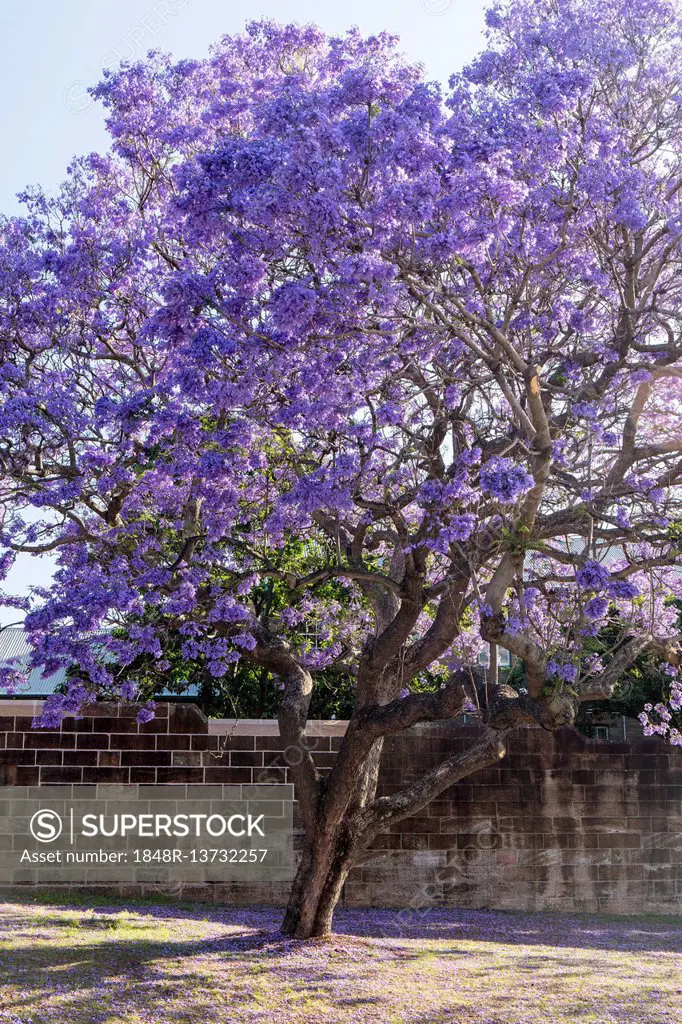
(128,691)
(529,597)
(504,480)
(585,410)
(623,589)
(592,576)
(147,713)
(596,608)
(564,670)
(622,518)
(460,528)
(469,457)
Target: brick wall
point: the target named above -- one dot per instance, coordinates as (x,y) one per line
(561,823)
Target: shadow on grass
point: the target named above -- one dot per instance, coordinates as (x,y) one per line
(99,982)
(141,971)
(560,930)
(213,977)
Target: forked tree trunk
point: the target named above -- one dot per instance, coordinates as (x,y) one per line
(348,817)
(329,856)
(315,892)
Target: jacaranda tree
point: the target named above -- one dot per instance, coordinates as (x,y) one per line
(430,345)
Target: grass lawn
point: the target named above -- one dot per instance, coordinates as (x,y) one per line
(143,962)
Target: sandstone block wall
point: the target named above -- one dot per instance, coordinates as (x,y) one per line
(562,823)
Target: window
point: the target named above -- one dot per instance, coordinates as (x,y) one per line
(503,657)
(601,732)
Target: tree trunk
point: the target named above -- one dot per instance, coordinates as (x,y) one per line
(316,889)
(349,817)
(329,855)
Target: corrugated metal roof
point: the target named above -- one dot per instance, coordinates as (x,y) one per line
(14,644)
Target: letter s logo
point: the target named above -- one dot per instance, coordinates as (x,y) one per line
(46,826)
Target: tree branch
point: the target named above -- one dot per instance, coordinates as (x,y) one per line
(601,686)
(387,810)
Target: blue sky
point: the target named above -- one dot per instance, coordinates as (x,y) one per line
(50,52)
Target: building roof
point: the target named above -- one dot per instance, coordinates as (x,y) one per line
(14,644)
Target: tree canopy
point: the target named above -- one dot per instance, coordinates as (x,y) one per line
(432,339)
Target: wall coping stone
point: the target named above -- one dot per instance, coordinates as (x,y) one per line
(270,727)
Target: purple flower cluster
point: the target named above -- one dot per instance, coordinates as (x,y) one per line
(592,576)
(504,480)
(564,670)
(147,713)
(596,608)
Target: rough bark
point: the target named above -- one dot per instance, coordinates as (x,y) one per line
(336,846)
(317,888)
